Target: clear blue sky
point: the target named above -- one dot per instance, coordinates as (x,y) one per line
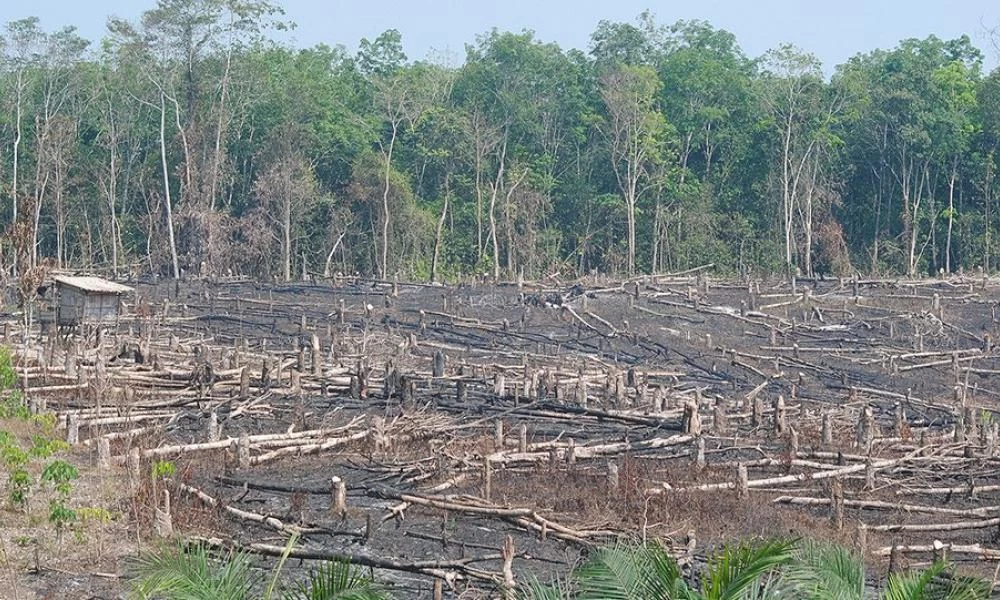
(832,30)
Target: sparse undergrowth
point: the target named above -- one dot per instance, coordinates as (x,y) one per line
(40,500)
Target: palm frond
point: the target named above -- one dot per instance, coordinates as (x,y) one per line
(738,570)
(629,572)
(177,573)
(336,580)
(772,588)
(533,589)
(912,585)
(823,571)
(936,583)
(613,573)
(664,578)
(276,572)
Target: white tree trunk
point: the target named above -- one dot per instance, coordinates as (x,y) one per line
(166,186)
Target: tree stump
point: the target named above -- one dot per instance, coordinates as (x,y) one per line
(691,422)
(134,472)
(720,421)
(265,372)
(243,452)
(837,503)
(214,432)
(162,520)
(244,383)
(827,429)
(439,364)
(499,385)
(959,426)
(699,455)
(338,496)
(487,481)
(865,429)
(103,454)
(72,429)
(780,421)
(317,357)
(742,481)
(861,538)
(612,477)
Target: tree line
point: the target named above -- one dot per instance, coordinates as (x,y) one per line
(192,141)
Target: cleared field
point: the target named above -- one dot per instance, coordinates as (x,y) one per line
(416,429)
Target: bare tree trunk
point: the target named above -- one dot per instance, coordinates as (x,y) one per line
(440,229)
(219,129)
(286,227)
(631,236)
(655,265)
(509,224)
(60,219)
(951,213)
(384,270)
(494,191)
(479,203)
(988,209)
(631,198)
(111,189)
(787,198)
(806,216)
(41,183)
(17,146)
(166,186)
(329,257)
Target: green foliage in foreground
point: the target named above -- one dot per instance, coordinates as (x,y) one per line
(823,571)
(193,573)
(762,570)
(175,574)
(767,570)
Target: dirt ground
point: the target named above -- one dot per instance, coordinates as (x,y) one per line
(589,381)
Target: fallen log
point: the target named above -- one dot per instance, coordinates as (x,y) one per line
(451,571)
(245,515)
(893,506)
(796,477)
(955,526)
(937,546)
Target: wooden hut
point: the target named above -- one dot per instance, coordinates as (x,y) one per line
(87,300)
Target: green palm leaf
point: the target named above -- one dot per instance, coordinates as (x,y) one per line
(191,574)
(336,580)
(629,572)
(533,589)
(936,583)
(738,571)
(822,571)
(613,573)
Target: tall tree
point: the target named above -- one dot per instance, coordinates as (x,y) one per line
(793,95)
(635,132)
(189,45)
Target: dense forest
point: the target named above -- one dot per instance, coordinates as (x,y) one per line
(192,141)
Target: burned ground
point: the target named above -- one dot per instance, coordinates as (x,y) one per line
(684,409)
